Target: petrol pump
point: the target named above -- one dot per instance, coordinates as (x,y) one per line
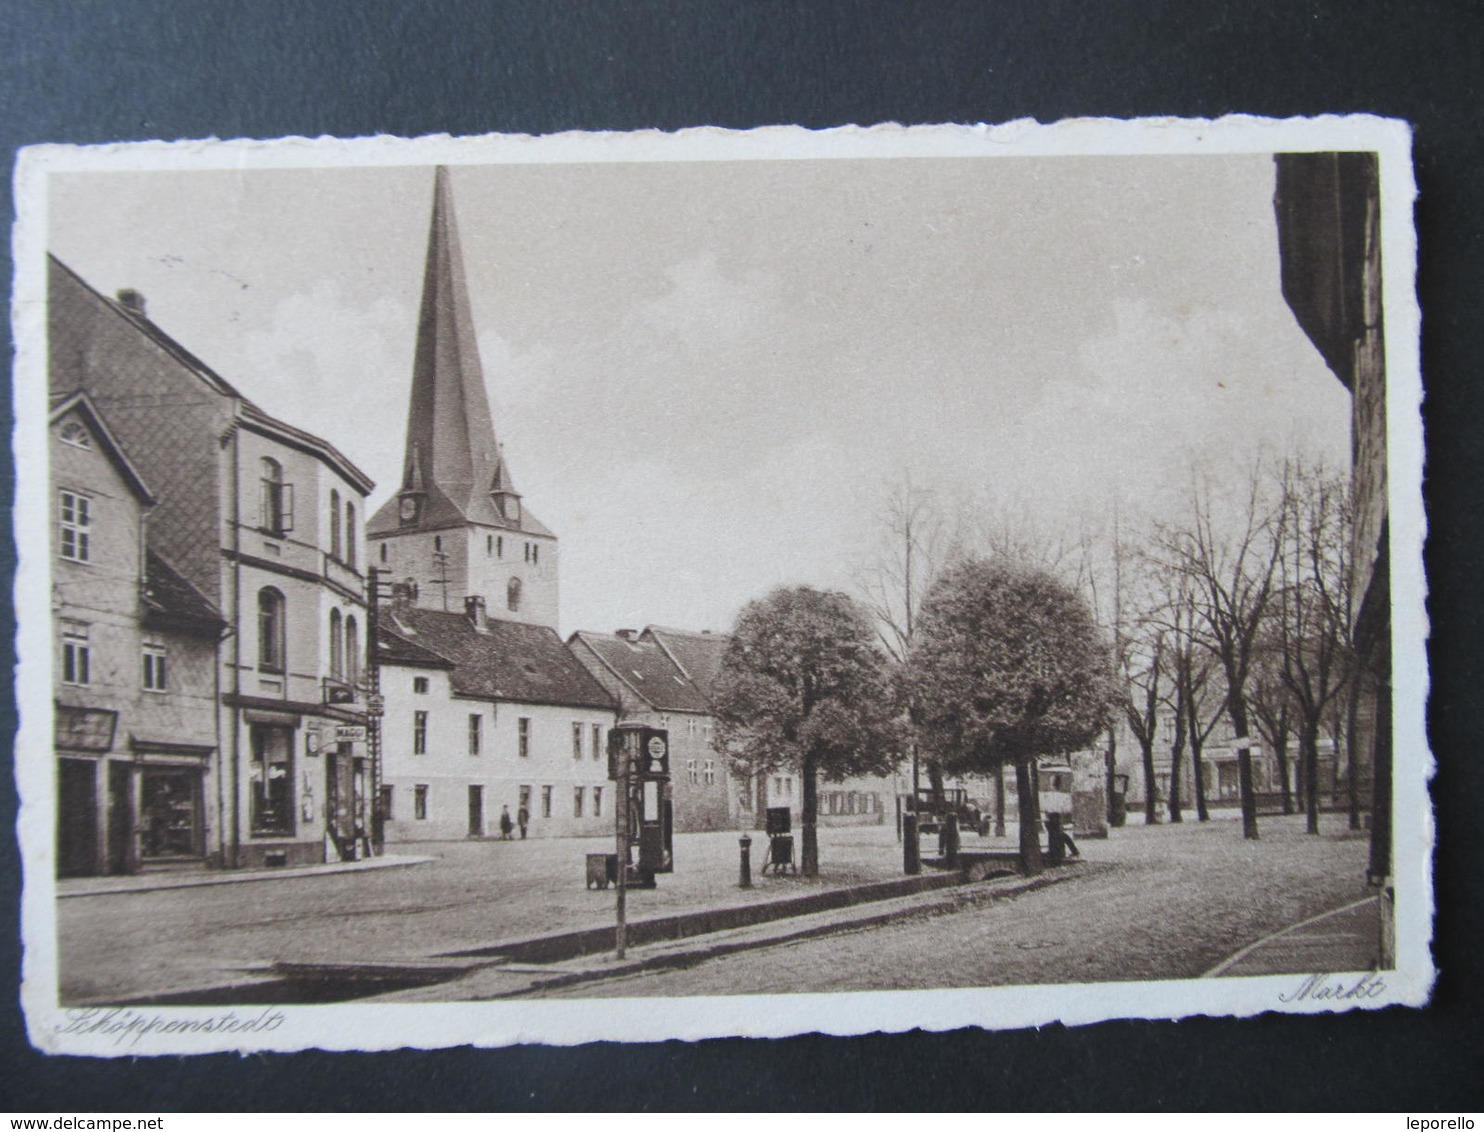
(639,765)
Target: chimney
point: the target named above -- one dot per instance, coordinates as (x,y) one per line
(404,595)
(627,634)
(474,610)
(132,301)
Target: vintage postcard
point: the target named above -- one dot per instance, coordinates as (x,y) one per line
(630,587)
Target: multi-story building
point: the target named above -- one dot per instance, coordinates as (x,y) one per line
(484,717)
(651,688)
(134,667)
(264,522)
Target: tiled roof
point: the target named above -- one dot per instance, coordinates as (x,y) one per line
(392,648)
(171,598)
(645,668)
(508,661)
(698,654)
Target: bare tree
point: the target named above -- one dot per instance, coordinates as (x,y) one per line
(1271,702)
(1313,611)
(1231,564)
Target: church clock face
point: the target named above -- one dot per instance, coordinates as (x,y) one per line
(409,507)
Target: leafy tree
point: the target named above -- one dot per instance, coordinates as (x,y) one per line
(1008,665)
(803,685)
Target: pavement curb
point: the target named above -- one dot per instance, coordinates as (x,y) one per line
(124,886)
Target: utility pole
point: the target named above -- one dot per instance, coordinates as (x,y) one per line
(374,703)
(621,820)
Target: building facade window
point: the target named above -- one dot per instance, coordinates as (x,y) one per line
(597,801)
(350,535)
(76,526)
(334,524)
(77,654)
(499,546)
(535,554)
(577,798)
(690,772)
(276,507)
(337,647)
(523,736)
(546,792)
(489,546)
(270,630)
(475,733)
(419,733)
(576,741)
(420,685)
(74,434)
(352,651)
(383,552)
(154,675)
(597,741)
(512,595)
(708,772)
(420,802)
(272,780)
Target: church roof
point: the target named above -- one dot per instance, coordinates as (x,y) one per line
(645,668)
(507,661)
(452,457)
(698,655)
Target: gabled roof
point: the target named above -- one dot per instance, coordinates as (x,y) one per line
(172,602)
(698,655)
(79,404)
(645,669)
(508,661)
(394,649)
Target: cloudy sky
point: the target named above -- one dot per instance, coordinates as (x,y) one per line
(707,375)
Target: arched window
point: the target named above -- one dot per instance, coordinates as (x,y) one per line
(337,655)
(352,651)
(276,508)
(512,594)
(334,524)
(270,630)
(350,535)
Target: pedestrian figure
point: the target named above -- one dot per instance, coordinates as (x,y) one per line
(523,817)
(505,823)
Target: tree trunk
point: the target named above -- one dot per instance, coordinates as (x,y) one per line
(1198,771)
(809,853)
(999,800)
(1175,752)
(1030,819)
(1237,709)
(1110,770)
(1151,791)
(1311,775)
(935,784)
(1280,752)
(759,800)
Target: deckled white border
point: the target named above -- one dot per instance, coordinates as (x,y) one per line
(354,1026)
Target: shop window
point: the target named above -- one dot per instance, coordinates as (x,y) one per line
(419,733)
(76,527)
(276,506)
(523,736)
(154,668)
(576,741)
(420,685)
(270,630)
(546,792)
(272,780)
(475,733)
(577,798)
(420,803)
(77,654)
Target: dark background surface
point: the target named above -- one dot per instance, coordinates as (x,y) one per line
(106,71)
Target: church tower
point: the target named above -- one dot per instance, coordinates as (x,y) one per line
(457,528)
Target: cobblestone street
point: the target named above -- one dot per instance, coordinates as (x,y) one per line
(1163,902)
(1167,902)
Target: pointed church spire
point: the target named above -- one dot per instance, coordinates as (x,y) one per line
(451,449)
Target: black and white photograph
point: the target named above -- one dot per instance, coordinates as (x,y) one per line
(643,586)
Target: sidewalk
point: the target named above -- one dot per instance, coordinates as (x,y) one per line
(203,877)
